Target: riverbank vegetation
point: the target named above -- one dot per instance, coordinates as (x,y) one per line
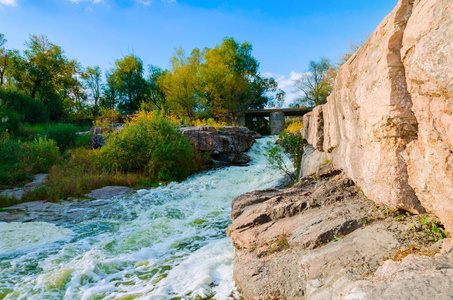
(49,102)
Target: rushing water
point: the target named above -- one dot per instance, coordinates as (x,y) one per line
(164,243)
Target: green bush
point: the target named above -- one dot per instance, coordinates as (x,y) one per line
(294,144)
(19,160)
(9,120)
(32,111)
(65,135)
(84,141)
(40,155)
(152,145)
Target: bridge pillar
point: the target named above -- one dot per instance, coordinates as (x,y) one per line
(277,122)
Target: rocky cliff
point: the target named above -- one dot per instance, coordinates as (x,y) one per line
(388,122)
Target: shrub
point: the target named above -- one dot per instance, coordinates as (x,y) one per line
(107,117)
(9,119)
(295,127)
(32,111)
(294,144)
(40,155)
(10,170)
(84,140)
(80,174)
(65,135)
(152,145)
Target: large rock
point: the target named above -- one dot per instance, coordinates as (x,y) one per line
(427,55)
(389,120)
(226,145)
(324,240)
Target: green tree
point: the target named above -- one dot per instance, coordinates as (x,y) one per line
(92,78)
(110,90)
(45,73)
(232,83)
(156,94)
(132,87)
(182,84)
(315,85)
(5,55)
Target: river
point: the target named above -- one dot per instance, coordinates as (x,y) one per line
(163,243)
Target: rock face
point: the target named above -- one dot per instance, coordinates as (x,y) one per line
(226,145)
(388,122)
(324,240)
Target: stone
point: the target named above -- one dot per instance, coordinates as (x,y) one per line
(312,160)
(313,130)
(108,192)
(226,145)
(427,55)
(323,240)
(18,193)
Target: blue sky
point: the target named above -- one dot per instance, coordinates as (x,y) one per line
(285,35)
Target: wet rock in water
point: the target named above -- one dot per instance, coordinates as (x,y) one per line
(324,240)
(108,192)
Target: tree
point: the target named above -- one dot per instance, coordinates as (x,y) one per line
(156,93)
(182,84)
(128,75)
(5,55)
(45,73)
(232,83)
(110,92)
(315,84)
(93,80)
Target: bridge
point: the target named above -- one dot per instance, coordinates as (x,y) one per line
(276,116)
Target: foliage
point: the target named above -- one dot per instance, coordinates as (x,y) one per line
(152,145)
(32,111)
(40,155)
(315,84)
(84,140)
(18,160)
(80,174)
(433,228)
(129,81)
(294,127)
(107,117)
(259,124)
(276,159)
(294,144)
(110,97)
(65,135)
(5,55)
(46,74)
(9,119)
(92,78)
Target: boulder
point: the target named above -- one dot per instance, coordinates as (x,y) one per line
(226,145)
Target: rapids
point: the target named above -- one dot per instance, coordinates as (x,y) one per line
(163,243)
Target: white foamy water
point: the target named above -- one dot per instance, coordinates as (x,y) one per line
(164,243)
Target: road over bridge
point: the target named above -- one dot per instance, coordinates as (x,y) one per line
(276,116)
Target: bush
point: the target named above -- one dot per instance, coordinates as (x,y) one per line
(152,145)
(107,117)
(32,111)
(294,144)
(84,140)
(80,174)
(65,135)
(9,120)
(19,160)
(40,155)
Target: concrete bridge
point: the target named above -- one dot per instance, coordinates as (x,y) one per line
(276,116)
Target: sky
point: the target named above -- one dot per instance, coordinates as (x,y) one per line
(286,35)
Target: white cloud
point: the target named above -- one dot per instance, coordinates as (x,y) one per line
(8,2)
(94,1)
(286,83)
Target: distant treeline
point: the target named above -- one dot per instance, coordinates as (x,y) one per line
(218,83)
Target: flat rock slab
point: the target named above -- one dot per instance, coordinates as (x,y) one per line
(108,192)
(18,193)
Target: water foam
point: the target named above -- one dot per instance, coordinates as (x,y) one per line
(168,242)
